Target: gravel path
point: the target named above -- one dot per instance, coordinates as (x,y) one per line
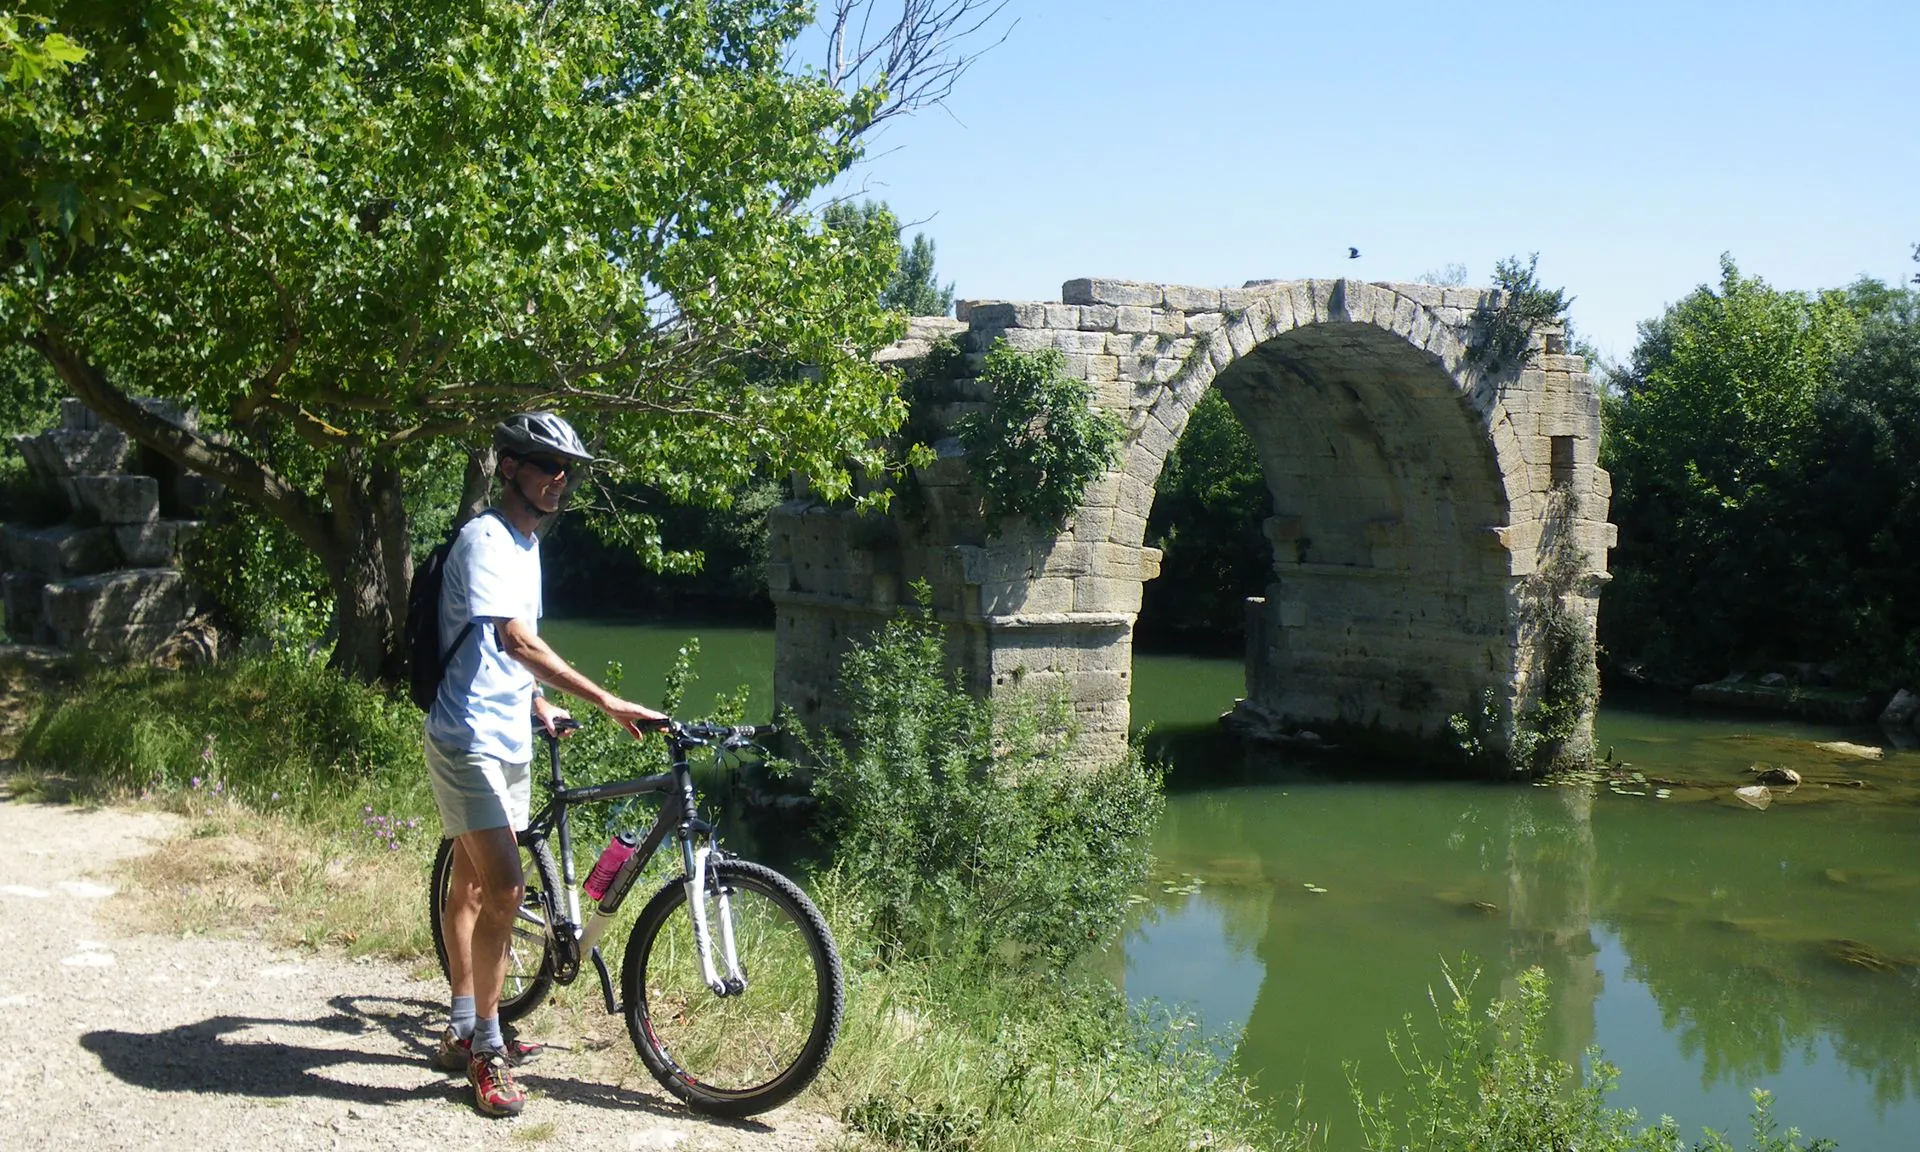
(140,1041)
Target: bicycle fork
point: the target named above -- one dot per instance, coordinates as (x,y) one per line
(695,860)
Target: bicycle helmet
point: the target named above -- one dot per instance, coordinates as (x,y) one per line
(533,433)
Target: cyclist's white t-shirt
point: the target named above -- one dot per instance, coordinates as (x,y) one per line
(485,703)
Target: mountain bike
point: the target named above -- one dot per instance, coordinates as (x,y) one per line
(731,986)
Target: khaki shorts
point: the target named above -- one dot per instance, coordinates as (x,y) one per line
(476,791)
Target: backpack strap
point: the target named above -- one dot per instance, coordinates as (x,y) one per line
(447,656)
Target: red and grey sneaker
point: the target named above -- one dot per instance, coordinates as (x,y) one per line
(495,1092)
(455,1051)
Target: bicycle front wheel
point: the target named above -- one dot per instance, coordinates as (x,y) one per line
(743,1053)
(530,951)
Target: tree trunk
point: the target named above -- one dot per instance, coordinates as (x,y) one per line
(369,567)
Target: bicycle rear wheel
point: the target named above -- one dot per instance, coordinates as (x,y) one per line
(740,1054)
(530,952)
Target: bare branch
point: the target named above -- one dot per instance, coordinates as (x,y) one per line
(916,59)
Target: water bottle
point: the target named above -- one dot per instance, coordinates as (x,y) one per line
(617,852)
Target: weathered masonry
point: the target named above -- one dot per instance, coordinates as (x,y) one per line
(1420,505)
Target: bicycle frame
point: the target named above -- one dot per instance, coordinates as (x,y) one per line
(679,817)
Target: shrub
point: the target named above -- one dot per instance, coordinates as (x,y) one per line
(1040,442)
(972,825)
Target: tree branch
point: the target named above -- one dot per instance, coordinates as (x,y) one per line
(187,448)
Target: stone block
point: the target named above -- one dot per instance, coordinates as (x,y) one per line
(1098,687)
(114,499)
(1102,595)
(1136,318)
(130,597)
(1030,315)
(1061,315)
(126,642)
(1098,317)
(171,411)
(1096,291)
(26,612)
(1049,594)
(1085,343)
(1028,339)
(1192,299)
(999,314)
(60,551)
(75,416)
(1234,301)
(60,453)
(156,543)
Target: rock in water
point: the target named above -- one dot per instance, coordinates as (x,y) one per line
(1779,777)
(1901,710)
(1843,748)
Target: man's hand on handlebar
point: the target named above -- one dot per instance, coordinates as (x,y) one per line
(635,718)
(552,719)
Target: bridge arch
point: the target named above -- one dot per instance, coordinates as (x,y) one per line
(1416,499)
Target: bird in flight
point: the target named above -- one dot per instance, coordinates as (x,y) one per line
(1353,253)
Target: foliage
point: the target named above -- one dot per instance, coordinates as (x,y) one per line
(1503,335)
(724,548)
(1719,429)
(1493,1088)
(279,732)
(1040,442)
(1208,510)
(971,825)
(258,579)
(347,231)
(1566,682)
(1450,275)
(913,287)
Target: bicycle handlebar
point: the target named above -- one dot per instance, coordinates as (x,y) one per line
(689,733)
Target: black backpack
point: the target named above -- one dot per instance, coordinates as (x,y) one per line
(426,663)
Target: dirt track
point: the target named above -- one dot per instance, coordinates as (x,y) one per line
(142,1041)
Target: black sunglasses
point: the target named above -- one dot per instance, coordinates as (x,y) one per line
(548,465)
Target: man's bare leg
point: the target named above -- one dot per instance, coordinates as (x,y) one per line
(489,902)
(457,919)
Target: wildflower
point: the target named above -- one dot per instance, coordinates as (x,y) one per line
(196,782)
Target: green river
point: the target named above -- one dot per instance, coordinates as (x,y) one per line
(1707,947)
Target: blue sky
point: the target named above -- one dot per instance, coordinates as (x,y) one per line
(1629,144)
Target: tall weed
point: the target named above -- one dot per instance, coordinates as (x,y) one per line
(971,825)
(1494,1088)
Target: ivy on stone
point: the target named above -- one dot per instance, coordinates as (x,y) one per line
(1040,442)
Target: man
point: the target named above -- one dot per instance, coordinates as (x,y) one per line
(479,741)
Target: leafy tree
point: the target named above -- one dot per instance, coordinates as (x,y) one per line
(1208,509)
(1718,402)
(913,288)
(1858,521)
(354,234)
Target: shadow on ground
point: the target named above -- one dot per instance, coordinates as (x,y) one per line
(222,1056)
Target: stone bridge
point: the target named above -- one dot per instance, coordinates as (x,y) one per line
(1419,505)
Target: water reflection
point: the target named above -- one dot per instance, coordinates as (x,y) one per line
(1302,918)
